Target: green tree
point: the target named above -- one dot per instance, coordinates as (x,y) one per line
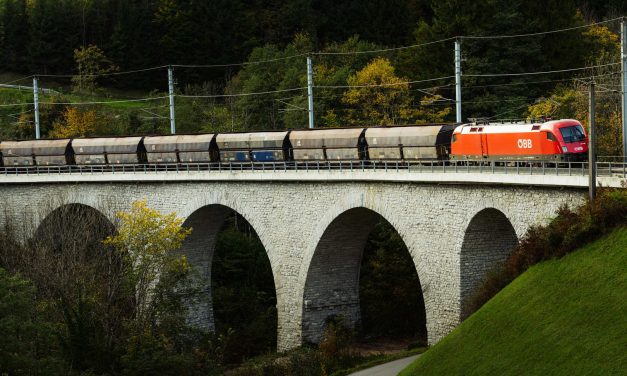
(571,101)
(389,289)
(14,35)
(90,63)
(27,343)
(244,295)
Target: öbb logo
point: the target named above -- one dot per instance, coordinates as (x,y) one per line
(524,143)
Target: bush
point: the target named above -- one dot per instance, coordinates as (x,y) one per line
(27,343)
(569,230)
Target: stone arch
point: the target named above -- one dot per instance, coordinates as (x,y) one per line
(488,239)
(71,201)
(68,246)
(67,222)
(331,287)
(199,247)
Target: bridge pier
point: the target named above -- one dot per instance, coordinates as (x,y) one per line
(314,233)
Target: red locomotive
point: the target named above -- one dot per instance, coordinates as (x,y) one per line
(559,140)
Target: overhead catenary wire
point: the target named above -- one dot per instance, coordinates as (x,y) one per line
(322,53)
(540,72)
(105,102)
(104,74)
(241,94)
(383,84)
(383,49)
(535,34)
(17,80)
(254,62)
(539,82)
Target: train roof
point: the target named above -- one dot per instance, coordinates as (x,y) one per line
(183,142)
(408,135)
(513,127)
(30,147)
(102,145)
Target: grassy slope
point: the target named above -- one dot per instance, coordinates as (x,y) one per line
(561,317)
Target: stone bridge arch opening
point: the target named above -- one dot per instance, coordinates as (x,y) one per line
(341,271)
(74,226)
(236,276)
(67,250)
(488,240)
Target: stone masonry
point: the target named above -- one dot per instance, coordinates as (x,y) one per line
(314,234)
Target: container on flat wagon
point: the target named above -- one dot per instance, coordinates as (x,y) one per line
(115,150)
(36,152)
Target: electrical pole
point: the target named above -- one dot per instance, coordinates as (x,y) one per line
(623,49)
(458,79)
(310,91)
(171,92)
(36,103)
(592,163)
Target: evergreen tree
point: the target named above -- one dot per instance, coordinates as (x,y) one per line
(14,36)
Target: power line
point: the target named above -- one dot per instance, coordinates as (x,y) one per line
(540,32)
(383,49)
(105,102)
(15,104)
(103,74)
(540,82)
(326,53)
(539,73)
(238,64)
(18,80)
(382,85)
(241,94)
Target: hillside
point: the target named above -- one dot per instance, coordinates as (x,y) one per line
(561,317)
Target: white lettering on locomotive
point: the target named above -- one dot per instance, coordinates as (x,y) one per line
(524,143)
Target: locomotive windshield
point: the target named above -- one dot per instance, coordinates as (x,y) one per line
(573,133)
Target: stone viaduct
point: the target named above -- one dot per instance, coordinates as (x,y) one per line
(314,225)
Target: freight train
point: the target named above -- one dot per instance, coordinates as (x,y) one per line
(560,140)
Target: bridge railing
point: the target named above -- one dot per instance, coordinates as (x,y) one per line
(604,168)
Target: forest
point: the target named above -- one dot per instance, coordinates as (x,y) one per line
(94,55)
(241,65)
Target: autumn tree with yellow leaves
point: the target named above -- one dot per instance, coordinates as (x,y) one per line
(378,97)
(75,123)
(146,240)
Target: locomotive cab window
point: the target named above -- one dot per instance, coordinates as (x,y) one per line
(454,138)
(572,134)
(550,136)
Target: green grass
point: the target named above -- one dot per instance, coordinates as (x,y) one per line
(561,317)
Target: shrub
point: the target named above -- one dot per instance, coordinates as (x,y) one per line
(569,230)
(27,343)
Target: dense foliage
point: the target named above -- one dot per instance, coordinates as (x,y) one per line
(91,306)
(95,37)
(389,293)
(572,228)
(244,296)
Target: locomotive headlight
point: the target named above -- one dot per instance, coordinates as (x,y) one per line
(564,149)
